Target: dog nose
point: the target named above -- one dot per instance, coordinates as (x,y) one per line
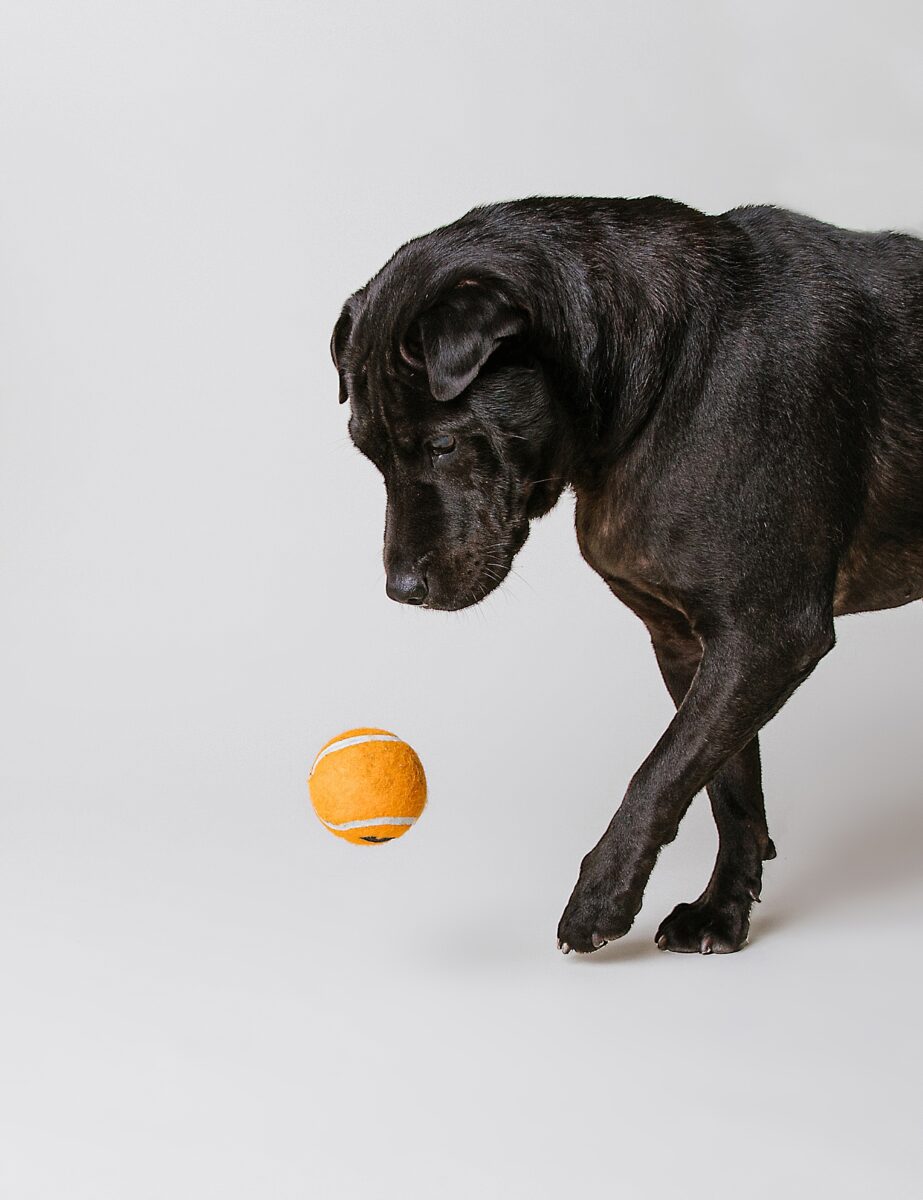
(407,586)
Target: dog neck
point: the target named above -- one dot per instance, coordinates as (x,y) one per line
(624,314)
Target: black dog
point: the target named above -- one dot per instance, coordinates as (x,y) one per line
(737,402)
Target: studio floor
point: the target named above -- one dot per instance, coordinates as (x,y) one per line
(207,995)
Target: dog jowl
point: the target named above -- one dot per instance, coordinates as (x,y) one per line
(736,402)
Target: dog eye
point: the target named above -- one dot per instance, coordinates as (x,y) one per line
(442,445)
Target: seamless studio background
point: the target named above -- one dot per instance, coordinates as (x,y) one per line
(203,992)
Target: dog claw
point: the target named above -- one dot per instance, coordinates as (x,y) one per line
(598,941)
(706,946)
(662,941)
(565,949)
(754,897)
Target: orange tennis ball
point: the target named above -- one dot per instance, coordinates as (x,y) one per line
(367,786)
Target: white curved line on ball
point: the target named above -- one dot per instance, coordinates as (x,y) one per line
(370,821)
(353,741)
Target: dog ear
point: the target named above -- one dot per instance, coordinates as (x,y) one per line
(338,340)
(455,337)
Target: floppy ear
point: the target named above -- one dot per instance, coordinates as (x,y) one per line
(457,336)
(340,337)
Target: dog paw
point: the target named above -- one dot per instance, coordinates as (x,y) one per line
(594,915)
(705,927)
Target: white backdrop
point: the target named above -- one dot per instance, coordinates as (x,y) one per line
(204,993)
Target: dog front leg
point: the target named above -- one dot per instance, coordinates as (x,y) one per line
(743,679)
(719,921)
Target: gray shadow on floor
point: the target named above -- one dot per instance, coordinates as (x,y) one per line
(874,848)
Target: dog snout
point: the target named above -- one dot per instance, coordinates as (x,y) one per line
(407,585)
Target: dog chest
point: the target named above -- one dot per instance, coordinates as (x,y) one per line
(615,540)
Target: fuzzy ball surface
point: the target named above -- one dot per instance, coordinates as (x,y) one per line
(367,786)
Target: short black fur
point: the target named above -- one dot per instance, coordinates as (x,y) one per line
(737,403)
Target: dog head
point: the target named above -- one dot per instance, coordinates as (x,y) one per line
(450,401)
